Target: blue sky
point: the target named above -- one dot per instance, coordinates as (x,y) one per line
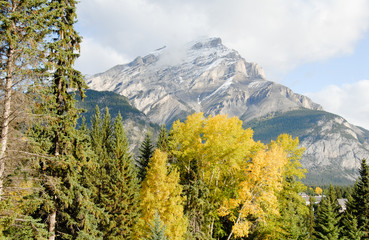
(315,47)
(349,68)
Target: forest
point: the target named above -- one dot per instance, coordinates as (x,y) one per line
(205,178)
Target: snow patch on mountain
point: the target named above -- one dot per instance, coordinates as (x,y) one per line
(170,83)
(201,71)
(221,89)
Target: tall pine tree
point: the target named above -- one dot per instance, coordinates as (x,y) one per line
(116,178)
(351,229)
(23,27)
(67,206)
(163,140)
(157,229)
(145,153)
(327,224)
(358,204)
(310,221)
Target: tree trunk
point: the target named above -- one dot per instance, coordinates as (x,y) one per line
(5,116)
(52,224)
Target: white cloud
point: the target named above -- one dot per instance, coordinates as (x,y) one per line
(350,101)
(97,58)
(278,34)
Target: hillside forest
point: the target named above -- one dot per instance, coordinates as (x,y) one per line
(205,178)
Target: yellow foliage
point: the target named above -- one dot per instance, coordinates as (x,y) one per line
(257,192)
(241,229)
(243,176)
(318,191)
(290,202)
(217,144)
(294,154)
(161,193)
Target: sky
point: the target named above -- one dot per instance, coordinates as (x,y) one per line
(319,48)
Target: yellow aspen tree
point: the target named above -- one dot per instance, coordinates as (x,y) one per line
(256,199)
(294,153)
(290,224)
(161,193)
(209,153)
(318,191)
(214,142)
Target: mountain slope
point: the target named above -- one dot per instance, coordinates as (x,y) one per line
(205,76)
(169,84)
(334,147)
(135,122)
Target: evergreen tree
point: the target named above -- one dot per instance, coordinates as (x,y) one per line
(22,33)
(116,183)
(145,153)
(98,176)
(95,133)
(122,191)
(311,218)
(332,195)
(327,224)
(127,191)
(23,27)
(157,231)
(338,192)
(163,140)
(358,205)
(351,229)
(67,205)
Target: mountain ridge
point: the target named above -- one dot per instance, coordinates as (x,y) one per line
(208,77)
(205,73)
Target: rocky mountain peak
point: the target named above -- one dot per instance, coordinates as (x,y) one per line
(208,43)
(203,75)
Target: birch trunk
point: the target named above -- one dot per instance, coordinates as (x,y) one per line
(52,224)
(5,116)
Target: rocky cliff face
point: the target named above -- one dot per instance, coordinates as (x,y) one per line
(168,84)
(334,147)
(334,151)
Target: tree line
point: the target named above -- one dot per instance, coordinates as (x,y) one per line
(204,179)
(330,221)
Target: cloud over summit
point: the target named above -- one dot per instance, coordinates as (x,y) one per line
(278,34)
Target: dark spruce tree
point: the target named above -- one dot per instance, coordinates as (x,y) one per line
(23,26)
(67,205)
(22,32)
(116,183)
(162,142)
(125,192)
(100,134)
(145,153)
(351,229)
(332,195)
(157,229)
(327,223)
(311,218)
(95,132)
(358,205)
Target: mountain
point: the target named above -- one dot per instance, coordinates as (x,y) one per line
(334,147)
(169,84)
(135,122)
(204,77)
